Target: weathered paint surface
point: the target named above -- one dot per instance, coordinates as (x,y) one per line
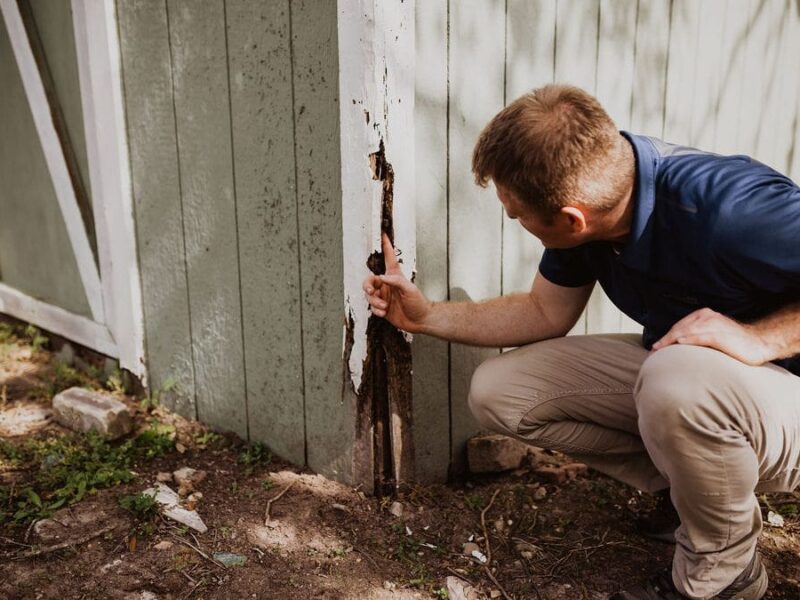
(329,418)
(35,251)
(262,113)
(722,66)
(147,74)
(376,82)
(202,117)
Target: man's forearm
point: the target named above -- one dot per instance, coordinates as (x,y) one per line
(780,331)
(512,320)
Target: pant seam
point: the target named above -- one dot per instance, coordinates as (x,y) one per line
(564,394)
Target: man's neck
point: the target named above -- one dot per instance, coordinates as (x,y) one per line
(615,224)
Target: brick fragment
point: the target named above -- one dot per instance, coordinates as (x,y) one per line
(493,453)
(83,410)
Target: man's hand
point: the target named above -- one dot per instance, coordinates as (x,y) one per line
(394,297)
(706,327)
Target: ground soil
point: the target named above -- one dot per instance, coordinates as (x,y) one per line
(576,540)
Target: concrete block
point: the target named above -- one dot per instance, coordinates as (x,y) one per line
(494,453)
(83,410)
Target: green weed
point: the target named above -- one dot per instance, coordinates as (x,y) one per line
(255,453)
(140,505)
(36,339)
(473,502)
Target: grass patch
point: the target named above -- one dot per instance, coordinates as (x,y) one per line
(66,469)
(254,454)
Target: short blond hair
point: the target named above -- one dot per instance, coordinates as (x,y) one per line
(553,146)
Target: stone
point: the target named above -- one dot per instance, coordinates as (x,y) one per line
(458,589)
(229,559)
(163,545)
(396,509)
(169,504)
(23,418)
(68,524)
(563,473)
(83,410)
(189,474)
(539,493)
(66,355)
(164,477)
(494,453)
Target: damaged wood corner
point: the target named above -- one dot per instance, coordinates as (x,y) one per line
(384,397)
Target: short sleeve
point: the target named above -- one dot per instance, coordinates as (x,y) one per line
(760,243)
(567,267)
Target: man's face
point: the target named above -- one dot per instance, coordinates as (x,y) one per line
(560,233)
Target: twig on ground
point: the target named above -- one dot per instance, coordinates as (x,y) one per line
(10,541)
(196,549)
(488,562)
(274,499)
(64,545)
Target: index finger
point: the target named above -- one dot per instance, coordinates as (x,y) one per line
(389,257)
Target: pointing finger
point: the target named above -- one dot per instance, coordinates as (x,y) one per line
(389,256)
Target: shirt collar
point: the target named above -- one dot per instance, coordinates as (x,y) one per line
(636,253)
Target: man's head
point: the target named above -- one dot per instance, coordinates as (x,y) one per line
(557,160)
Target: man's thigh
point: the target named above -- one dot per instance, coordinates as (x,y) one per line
(585,379)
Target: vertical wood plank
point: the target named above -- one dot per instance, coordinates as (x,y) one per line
(202,112)
(776,137)
(682,62)
(477,45)
(259,54)
(650,64)
(708,73)
(576,64)
(530,56)
(431,386)
(329,420)
(615,57)
(147,77)
(750,106)
(732,60)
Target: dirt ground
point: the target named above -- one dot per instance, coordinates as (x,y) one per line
(323,539)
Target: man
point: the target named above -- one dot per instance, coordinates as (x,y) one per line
(702,250)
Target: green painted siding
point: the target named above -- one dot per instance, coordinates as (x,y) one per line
(35,252)
(233,119)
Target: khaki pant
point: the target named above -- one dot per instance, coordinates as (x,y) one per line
(711,428)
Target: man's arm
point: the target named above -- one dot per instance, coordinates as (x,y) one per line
(770,338)
(547,311)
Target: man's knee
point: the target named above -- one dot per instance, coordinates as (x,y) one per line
(675,389)
(486,395)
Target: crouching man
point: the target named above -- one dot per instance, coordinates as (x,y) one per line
(702,250)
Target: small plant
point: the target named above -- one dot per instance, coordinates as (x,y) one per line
(36,339)
(153,399)
(140,505)
(157,440)
(255,453)
(114,382)
(441,593)
(473,502)
(64,377)
(267,484)
(206,438)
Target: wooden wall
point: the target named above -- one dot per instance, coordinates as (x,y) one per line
(719,74)
(36,256)
(233,120)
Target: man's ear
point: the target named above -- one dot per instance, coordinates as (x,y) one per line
(574,218)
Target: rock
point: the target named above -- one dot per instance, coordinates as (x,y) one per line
(163,545)
(188,474)
(229,559)
(470,547)
(494,453)
(495,594)
(169,503)
(192,500)
(82,410)
(539,493)
(563,473)
(499,525)
(396,509)
(164,477)
(66,355)
(458,589)
(23,418)
(67,524)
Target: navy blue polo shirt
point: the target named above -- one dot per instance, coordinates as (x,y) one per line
(713,231)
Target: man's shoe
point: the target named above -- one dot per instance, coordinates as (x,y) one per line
(661,522)
(751,584)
